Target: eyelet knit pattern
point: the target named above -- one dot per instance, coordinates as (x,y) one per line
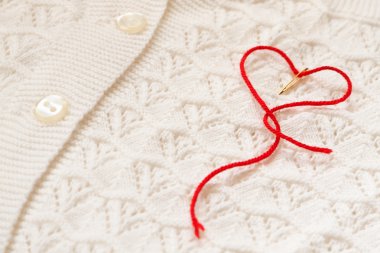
(124,179)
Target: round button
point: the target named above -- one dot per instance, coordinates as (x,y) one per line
(131,22)
(51,109)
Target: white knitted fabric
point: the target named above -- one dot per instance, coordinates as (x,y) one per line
(152,114)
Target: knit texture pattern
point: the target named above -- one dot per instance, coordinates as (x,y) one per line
(124,180)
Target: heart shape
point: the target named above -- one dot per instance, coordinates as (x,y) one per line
(270,114)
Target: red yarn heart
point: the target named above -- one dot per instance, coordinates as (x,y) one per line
(269,113)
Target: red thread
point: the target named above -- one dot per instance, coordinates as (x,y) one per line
(276,130)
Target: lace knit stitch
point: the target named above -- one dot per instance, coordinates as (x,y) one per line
(124,179)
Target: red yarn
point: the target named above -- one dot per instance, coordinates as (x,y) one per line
(276,130)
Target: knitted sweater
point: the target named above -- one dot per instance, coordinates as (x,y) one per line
(150,114)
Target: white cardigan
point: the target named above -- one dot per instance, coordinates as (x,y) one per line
(150,114)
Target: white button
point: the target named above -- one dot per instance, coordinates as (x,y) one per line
(131,22)
(51,109)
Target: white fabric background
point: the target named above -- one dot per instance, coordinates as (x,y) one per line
(118,174)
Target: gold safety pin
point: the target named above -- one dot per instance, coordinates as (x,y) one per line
(295,79)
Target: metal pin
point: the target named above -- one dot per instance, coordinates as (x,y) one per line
(292,82)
